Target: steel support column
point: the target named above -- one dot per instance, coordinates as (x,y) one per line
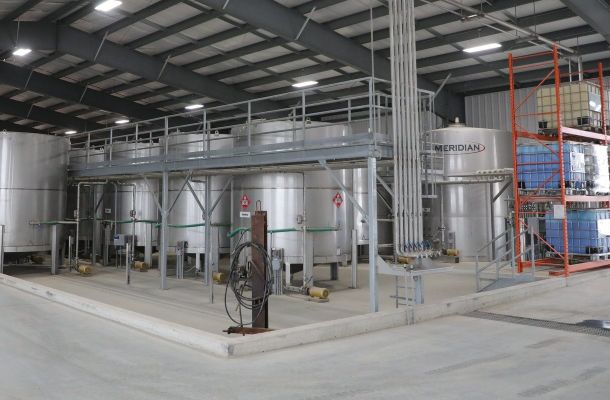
(372,224)
(164,229)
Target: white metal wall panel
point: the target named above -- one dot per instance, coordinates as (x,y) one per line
(492,110)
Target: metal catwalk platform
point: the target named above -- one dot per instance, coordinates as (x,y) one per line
(292,132)
(232,143)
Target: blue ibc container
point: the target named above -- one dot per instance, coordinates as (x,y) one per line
(584,236)
(538,165)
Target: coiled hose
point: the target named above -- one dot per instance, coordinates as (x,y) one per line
(240,281)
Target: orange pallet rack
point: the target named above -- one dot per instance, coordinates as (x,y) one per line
(547,62)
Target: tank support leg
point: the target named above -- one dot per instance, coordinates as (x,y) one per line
(354,259)
(334,271)
(55,249)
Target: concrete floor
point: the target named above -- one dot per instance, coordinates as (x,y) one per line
(48,351)
(187,300)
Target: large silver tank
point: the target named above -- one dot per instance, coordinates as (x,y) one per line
(289,198)
(146,208)
(467,209)
(32,188)
(187,211)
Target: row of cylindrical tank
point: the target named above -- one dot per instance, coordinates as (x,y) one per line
(33,189)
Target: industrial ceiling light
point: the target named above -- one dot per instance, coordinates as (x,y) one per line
(194,106)
(21,52)
(304,84)
(70,132)
(121,121)
(108,5)
(483,47)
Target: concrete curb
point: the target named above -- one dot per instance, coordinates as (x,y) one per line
(194,338)
(247,345)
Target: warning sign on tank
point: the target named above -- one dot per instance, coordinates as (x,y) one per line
(338,199)
(245,201)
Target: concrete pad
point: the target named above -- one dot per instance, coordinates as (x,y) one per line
(53,352)
(587,296)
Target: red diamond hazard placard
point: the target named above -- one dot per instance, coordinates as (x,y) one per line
(245,201)
(338,199)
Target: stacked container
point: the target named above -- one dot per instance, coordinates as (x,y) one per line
(539,166)
(580,106)
(596,166)
(588,232)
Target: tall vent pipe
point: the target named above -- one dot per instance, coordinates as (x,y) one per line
(408,224)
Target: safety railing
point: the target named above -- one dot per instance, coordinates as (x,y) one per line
(503,256)
(294,121)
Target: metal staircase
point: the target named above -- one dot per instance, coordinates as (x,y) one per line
(501,251)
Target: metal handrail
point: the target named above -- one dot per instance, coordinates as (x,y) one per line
(499,261)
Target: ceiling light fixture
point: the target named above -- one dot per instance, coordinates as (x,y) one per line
(304,84)
(21,52)
(121,121)
(483,47)
(194,107)
(108,5)
(70,132)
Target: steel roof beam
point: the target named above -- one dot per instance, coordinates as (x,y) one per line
(20,10)
(12,127)
(27,79)
(595,12)
(286,23)
(524,79)
(90,47)
(585,49)
(40,114)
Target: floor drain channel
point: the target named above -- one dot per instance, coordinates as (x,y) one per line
(541,323)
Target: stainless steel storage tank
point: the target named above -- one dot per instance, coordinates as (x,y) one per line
(467,209)
(186,211)
(146,208)
(297,200)
(32,188)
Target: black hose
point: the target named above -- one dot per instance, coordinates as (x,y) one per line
(239,281)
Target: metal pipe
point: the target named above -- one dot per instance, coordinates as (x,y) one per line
(506,24)
(1,249)
(132,215)
(164,230)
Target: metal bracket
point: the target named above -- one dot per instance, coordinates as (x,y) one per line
(153,193)
(224,189)
(163,67)
(188,177)
(385,186)
(347,192)
(304,23)
(97,53)
(197,198)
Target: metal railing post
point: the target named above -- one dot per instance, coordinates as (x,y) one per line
(533,254)
(512,249)
(477,272)
(249,124)
(303,111)
(110,144)
(1,249)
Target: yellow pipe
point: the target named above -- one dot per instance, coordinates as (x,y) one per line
(218,277)
(84,269)
(317,292)
(141,266)
(453,252)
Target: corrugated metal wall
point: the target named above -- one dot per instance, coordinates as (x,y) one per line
(492,110)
